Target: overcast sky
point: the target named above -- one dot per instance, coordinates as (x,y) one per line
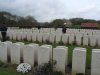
(47,10)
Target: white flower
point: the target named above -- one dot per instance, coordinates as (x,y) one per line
(23,67)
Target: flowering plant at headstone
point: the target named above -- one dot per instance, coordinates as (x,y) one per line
(24,68)
(47,69)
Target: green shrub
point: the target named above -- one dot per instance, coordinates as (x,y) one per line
(46,69)
(1,64)
(5,65)
(80,74)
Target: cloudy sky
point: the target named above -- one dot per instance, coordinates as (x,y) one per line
(47,10)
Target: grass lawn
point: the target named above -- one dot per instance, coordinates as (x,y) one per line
(8,69)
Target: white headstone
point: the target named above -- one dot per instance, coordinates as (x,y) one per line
(10,35)
(36,47)
(29,36)
(43,55)
(65,38)
(21,50)
(79,60)
(19,35)
(34,36)
(14,36)
(59,55)
(95,63)
(78,39)
(24,34)
(85,40)
(93,40)
(52,38)
(9,43)
(49,46)
(15,53)
(98,41)
(3,52)
(66,48)
(39,37)
(71,38)
(58,37)
(45,37)
(28,54)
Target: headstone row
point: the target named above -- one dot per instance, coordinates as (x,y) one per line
(33,53)
(84,37)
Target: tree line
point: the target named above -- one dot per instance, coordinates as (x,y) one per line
(29,21)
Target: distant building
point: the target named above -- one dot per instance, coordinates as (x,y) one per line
(89,25)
